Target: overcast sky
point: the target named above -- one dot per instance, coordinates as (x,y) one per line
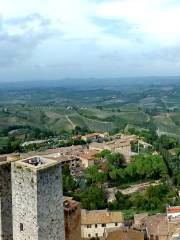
(53,39)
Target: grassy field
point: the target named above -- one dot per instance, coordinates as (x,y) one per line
(59,109)
(166,125)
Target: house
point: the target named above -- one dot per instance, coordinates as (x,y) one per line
(158,227)
(122,145)
(173,213)
(87,157)
(94,223)
(93,137)
(138,219)
(117,145)
(72,219)
(144,144)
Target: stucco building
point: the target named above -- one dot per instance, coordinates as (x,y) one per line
(120,145)
(173,213)
(88,157)
(94,223)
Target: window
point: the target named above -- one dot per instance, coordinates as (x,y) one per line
(89,235)
(88,226)
(116,224)
(21,227)
(103,225)
(95,225)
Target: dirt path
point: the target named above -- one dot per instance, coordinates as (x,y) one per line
(69,120)
(132,189)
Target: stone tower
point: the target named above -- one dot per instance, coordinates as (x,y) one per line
(37,200)
(5,199)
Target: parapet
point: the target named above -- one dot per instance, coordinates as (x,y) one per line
(4,160)
(36,163)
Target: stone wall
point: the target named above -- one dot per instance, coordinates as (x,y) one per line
(24,192)
(73,224)
(50,204)
(37,203)
(5,201)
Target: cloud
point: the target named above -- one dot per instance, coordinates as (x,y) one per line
(171,55)
(20,36)
(89,36)
(29,20)
(157,20)
(121,29)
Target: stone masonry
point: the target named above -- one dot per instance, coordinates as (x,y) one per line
(37,200)
(5,200)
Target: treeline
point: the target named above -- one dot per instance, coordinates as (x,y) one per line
(114,171)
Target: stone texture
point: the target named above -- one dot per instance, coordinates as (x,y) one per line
(5,201)
(37,201)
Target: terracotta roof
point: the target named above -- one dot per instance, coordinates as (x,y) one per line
(138,218)
(157,225)
(124,234)
(89,154)
(91,135)
(173,209)
(101,216)
(99,146)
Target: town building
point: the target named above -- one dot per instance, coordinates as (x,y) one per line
(88,157)
(144,144)
(37,199)
(74,162)
(122,145)
(94,223)
(93,137)
(158,227)
(72,219)
(173,213)
(138,220)
(6,228)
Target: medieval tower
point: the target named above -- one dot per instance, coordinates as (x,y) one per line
(37,200)
(5,199)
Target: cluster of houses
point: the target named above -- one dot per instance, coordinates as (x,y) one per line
(27,181)
(80,157)
(110,225)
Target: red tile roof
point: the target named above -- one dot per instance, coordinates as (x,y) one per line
(173,209)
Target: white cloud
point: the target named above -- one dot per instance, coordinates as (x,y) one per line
(154,25)
(158,20)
